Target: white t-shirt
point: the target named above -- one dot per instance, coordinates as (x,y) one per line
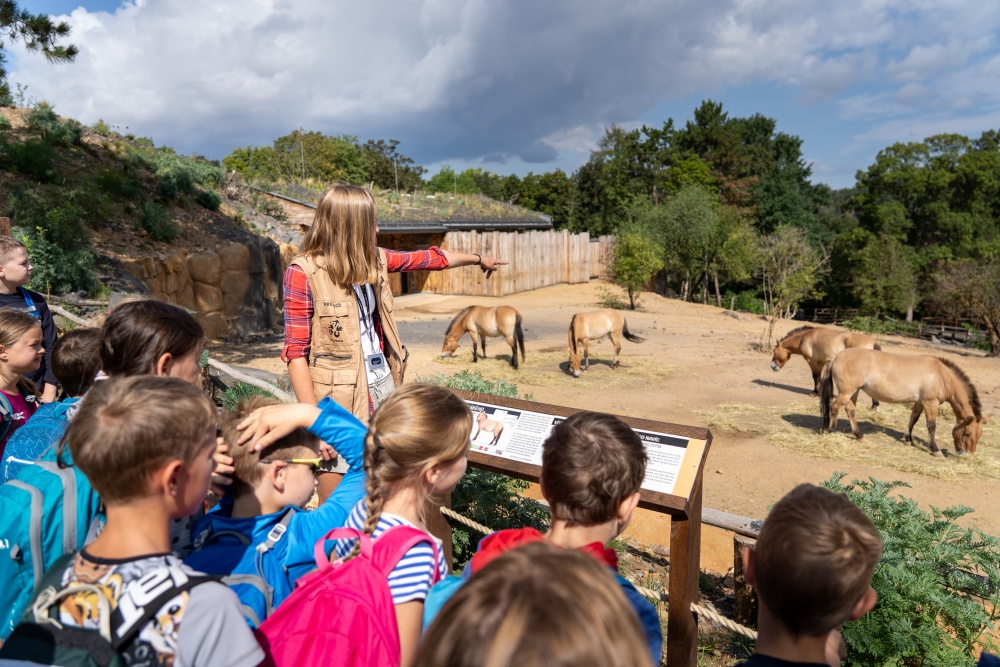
(370,343)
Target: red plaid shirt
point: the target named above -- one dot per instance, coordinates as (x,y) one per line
(299,301)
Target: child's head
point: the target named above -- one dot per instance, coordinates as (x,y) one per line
(20,341)
(537,605)
(76,358)
(151,338)
(15,269)
(418,439)
(592,467)
(137,436)
(814,559)
(343,233)
(291,483)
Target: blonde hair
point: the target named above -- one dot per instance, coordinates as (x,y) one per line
(8,244)
(343,235)
(248,471)
(13,325)
(128,428)
(417,427)
(814,559)
(537,606)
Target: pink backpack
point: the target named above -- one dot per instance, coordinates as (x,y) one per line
(342,614)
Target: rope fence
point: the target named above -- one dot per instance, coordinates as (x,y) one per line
(656,596)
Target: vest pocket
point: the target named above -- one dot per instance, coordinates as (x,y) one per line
(335,376)
(337,330)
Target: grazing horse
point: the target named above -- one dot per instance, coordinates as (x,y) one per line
(585,327)
(897,378)
(481,322)
(818,345)
(490,426)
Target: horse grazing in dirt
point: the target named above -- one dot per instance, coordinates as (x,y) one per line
(896,378)
(585,327)
(490,426)
(818,345)
(481,322)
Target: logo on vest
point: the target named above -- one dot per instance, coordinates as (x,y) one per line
(335,328)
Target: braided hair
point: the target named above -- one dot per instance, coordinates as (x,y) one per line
(417,427)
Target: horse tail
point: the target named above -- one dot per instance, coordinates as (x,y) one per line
(630,336)
(826,394)
(572,335)
(519,335)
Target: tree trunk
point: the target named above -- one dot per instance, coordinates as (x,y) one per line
(718,295)
(704,287)
(631,299)
(992,330)
(909,313)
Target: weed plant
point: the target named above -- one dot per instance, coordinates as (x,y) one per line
(241,391)
(157,222)
(45,124)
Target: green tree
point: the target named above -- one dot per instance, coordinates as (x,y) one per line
(449,182)
(789,271)
(38,32)
(965,288)
(637,258)
(389,169)
(883,277)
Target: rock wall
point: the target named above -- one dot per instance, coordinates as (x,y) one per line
(234,290)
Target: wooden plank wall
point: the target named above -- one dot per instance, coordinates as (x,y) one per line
(537,259)
(601,253)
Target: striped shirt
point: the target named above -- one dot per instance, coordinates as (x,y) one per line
(414,574)
(299,300)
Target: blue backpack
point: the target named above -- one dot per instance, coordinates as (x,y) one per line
(46,512)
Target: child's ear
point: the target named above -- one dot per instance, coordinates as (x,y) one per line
(163,364)
(865,604)
(277,473)
(432,475)
(168,478)
(626,508)
(749,566)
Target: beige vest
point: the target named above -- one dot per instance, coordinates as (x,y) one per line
(336,362)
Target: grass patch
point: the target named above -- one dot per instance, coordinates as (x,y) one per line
(548,368)
(796,428)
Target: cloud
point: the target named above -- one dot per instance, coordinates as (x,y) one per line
(507,80)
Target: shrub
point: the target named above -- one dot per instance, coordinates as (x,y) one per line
(209,199)
(56,270)
(157,222)
(43,122)
(63,214)
(32,158)
(231,397)
(102,129)
(118,184)
(866,324)
(938,583)
(166,188)
(488,498)
(747,300)
(608,298)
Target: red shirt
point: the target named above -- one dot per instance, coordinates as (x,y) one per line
(299,301)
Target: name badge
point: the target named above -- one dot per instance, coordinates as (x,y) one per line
(375,361)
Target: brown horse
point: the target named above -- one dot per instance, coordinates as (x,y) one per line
(585,327)
(896,378)
(481,322)
(818,345)
(493,426)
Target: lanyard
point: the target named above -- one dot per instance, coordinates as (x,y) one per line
(367,317)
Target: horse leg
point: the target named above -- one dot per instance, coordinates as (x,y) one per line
(586,354)
(482,344)
(475,344)
(914,416)
(930,410)
(851,408)
(835,407)
(815,374)
(616,339)
(513,349)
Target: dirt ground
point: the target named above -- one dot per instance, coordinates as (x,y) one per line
(697,361)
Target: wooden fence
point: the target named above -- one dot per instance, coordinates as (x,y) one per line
(958,331)
(601,253)
(537,259)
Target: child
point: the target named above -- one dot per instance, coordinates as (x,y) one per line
(20,352)
(812,569)
(270,488)
(416,447)
(536,606)
(146,444)
(76,360)
(15,273)
(593,465)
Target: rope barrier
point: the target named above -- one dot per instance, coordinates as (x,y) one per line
(700,610)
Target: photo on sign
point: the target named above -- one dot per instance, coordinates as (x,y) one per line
(492,429)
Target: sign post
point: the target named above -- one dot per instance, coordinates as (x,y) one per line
(507,436)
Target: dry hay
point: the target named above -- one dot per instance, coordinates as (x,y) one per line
(547,368)
(796,428)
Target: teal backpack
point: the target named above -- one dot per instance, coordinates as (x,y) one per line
(45,512)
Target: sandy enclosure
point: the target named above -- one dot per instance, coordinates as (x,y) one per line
(699,366)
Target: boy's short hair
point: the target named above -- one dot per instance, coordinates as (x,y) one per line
(814,559)
(129,428)
(248,472)
(76,358)
(8,244)
(591,463)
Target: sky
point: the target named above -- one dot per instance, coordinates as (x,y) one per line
(514,86)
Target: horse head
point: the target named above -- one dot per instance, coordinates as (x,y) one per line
(480,417)
(967,433)
(780,357)
(450,345)
(574,362)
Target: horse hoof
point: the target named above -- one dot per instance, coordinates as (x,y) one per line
(859,436)
(938,453)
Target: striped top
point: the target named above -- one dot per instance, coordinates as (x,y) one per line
(414,575)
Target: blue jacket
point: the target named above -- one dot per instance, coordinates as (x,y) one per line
(29,442)
(234,548)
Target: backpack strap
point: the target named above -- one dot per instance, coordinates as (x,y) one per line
(29,303)
(345,533)
(276,533)
(393,544)
(67,479)
(34,529)
(53,576)
(152,608)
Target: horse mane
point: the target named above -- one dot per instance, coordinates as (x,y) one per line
(797,331)
(977,406)
(455,319)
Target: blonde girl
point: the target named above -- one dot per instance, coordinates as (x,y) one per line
(416,447)
(21,351)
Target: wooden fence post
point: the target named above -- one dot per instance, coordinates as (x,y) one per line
(745,608)
(4,226)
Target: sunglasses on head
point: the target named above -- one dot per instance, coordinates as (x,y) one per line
(316,463)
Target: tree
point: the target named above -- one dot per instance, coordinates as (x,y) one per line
(789,270)
(389,169)
(883,278)
(637,258)
(38,32)
(967,289)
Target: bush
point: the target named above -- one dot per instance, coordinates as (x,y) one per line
(166,188)
(209,199)
(937,583)
(488,498)
(118,184)
(866,324)
(748,301)
(44,123)
(32,158)
(101,128)
(157,222)
(63,214)
(231,397)
(56,270)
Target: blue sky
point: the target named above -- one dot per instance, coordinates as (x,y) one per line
(518,86)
